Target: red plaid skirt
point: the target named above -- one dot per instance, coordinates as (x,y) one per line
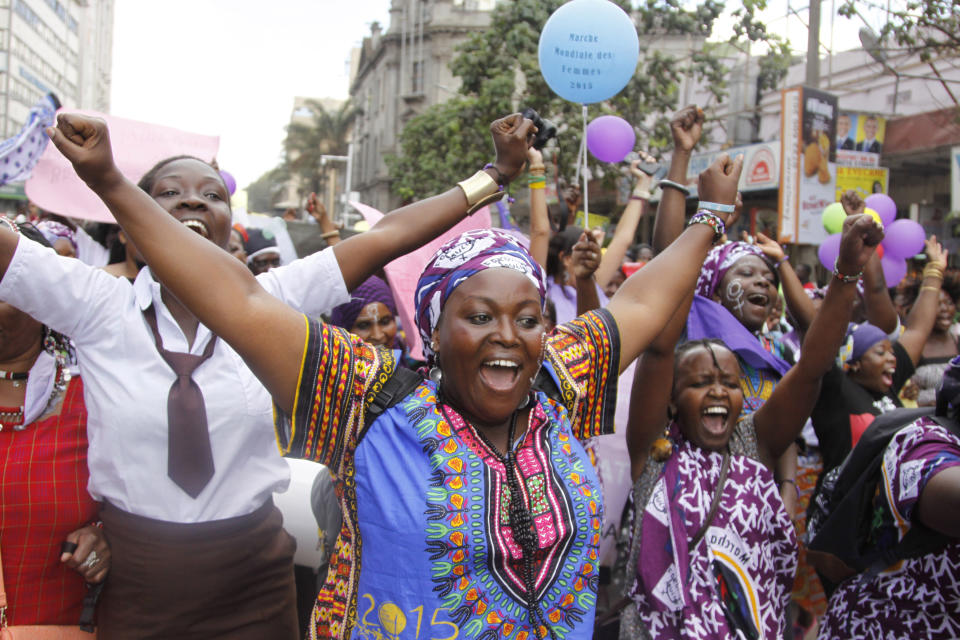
(43,497)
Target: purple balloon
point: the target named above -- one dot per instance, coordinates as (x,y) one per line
(885,207)
(229,181)
(610,138)
(829,251)
(903,239)
(894,269)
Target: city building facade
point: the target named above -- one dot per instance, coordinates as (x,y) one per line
(59,46)
(399,73)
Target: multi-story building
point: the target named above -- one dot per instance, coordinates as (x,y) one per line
(400,73)
(59,46)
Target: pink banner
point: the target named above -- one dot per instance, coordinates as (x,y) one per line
(137,146)
(404,272)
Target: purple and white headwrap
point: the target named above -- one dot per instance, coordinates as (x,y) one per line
(719,261)
(462,257)
(53,231)
(371,290)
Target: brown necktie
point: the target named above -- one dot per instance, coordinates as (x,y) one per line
(189,456)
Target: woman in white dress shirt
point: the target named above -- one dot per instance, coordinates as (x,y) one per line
(203,558)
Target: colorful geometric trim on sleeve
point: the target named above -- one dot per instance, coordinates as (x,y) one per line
(585,354)
(339,375)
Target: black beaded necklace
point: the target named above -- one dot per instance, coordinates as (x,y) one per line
(17,377)
(520,520)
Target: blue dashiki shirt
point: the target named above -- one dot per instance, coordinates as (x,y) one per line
(426,549)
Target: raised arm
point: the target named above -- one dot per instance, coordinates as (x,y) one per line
(328,230)
(877,304)
(648,299)
(408,228)
(800,306)
(923,315)
(686,127)
(585,257)
(780,419)
(629,220)
(218,290)
(539,214)
(652,386)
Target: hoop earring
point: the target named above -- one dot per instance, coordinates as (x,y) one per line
(435,374)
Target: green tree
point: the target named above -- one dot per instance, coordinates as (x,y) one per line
(325,134)
(928,28)
(264,192)
(500,73)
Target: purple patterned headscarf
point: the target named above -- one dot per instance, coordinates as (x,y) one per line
(371,290)
(719,261)
(53,231)
(462,257)
(858,340)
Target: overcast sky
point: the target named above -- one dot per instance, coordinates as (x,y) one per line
(232,67)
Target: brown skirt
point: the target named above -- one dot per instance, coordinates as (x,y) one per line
(228,578)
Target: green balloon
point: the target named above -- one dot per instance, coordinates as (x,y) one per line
(833,217)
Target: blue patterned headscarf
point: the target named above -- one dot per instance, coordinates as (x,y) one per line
(462,257)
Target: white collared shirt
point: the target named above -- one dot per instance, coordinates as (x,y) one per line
(126,382)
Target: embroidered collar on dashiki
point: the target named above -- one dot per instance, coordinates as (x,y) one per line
(738,578)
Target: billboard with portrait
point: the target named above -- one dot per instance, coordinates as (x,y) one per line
(870,131)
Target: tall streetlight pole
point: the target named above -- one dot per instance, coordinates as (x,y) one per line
(813,45)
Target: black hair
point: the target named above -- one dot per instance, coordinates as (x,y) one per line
(150,177)
(55,217)
(705,343)
(561,243)
(105,233)
(29,231)
(550,311)
(910,287)
(633,253)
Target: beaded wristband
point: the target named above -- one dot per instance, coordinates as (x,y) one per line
(714,206)
(538,185)
(538,170)
(781,261)
(712,220)
(842,277)
(536,179)
(674,185)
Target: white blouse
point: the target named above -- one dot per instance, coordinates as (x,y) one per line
(126,382)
